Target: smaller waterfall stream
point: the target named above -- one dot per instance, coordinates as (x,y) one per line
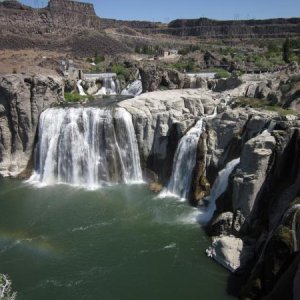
(80,88)
(88,147)
(184,162)
(218,188)
(110,86)
(133,89)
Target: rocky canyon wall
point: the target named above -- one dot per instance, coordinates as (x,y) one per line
(207,28)
(22,99)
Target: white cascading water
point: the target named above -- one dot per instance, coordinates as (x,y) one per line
(80,88)
(110,86)
(219,187)
(184,162)
(89,147)
(133,89)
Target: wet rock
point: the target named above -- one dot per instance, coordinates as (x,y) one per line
(156,187)
(200,185)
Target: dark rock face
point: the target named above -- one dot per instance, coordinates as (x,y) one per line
(22,99)
(275,272)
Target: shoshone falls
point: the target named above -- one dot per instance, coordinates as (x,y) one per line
(88,228)
(142,160)
(118,199)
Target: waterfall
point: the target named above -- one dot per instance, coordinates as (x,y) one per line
(133,89)
(184,163)
(110,86)
(218,188)
(80,88)
(89,147)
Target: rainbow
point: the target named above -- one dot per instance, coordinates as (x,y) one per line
(39,245)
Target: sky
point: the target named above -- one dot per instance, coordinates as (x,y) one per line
(167,10)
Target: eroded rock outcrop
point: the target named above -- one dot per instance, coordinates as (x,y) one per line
(255,226)
(22,99)
(155,77)
(160,120)
(252,171)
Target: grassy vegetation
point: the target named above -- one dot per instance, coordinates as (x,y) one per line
(269,54)
(184,66)
(221,73)
(120,70)
(262,104)
(75,97)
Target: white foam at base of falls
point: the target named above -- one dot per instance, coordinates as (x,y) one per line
(80,88)
(87,147)
(219,187)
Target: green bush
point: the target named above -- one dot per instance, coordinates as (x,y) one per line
(75,97)
(120,70)
(99,59)
(221,73)
(184,66)
(262,104)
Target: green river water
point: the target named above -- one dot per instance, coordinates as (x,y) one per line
(65,243)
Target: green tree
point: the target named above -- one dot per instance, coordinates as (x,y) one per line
(286,50)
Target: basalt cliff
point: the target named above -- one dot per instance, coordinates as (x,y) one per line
(70,26)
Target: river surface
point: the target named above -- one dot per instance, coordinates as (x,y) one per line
(120,242)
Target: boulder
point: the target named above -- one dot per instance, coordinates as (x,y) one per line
(22,99)
(226,250)
(93,88)
(221,225)
(227,223)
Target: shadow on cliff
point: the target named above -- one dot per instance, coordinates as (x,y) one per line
(268,243)
(163,150)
